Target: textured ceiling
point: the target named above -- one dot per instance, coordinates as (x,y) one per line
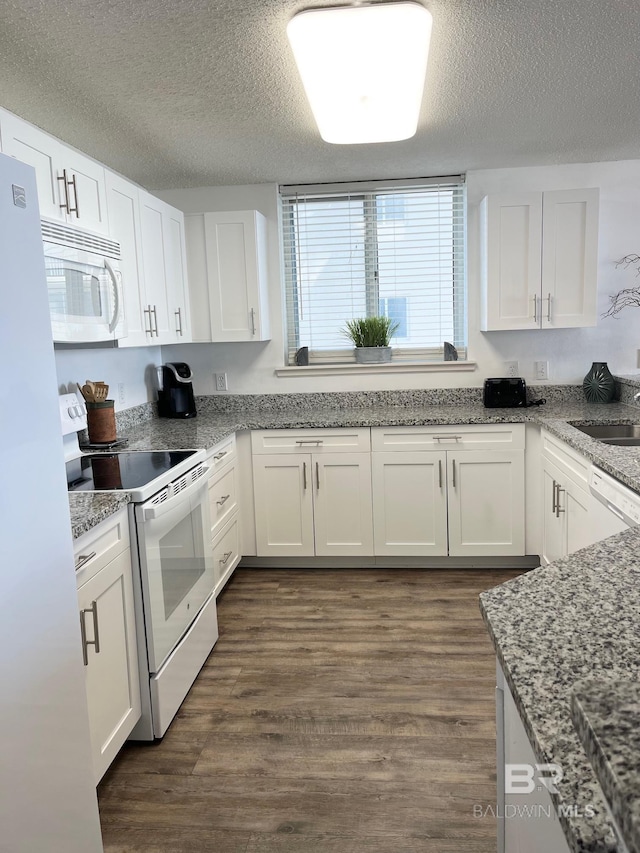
(179,93)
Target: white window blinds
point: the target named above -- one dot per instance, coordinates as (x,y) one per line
(394,249)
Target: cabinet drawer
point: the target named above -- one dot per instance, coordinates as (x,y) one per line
(223,453)
(450,437)
(569,461)
(311,441)
(226,552)
(223,498)
(94,549)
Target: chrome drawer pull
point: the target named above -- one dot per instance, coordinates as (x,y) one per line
(304,475)
(223,500)
(220,455)
(316,441)
(440,473)
(559,509)
(83,631)
(447,438)
(83,559)
(223,560)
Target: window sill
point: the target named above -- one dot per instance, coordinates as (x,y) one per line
(351,369)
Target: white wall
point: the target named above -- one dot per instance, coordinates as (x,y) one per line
(570,352)
(135,367)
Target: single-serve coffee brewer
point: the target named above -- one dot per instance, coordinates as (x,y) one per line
(175,399)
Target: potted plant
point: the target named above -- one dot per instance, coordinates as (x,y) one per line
(371,337)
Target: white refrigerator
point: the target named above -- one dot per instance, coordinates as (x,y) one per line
(47,795)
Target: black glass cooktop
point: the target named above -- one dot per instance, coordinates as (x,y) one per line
(128,470)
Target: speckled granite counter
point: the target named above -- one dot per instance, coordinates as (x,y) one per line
(90,508)
(211,426)
(607,718)
(553,628)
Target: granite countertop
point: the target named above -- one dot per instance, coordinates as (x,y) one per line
(554,628)
(607,718)
(90,508)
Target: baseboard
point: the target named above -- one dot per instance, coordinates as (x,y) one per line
(528,562)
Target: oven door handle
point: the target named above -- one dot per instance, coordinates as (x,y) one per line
(158,510)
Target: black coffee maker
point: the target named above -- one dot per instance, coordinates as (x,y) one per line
(175,400)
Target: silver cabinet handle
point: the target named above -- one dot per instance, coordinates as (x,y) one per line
(549,307)
(553,498)
(447,438)
(65,184)
(83,559)
(223,560)
(304,476)
(535,309)
(453,471)
(252,314)
(440,473)
(155,321)
(318,475)
(316,441)
(76,209)
(178,314)
(559,509)
(223,500)
(83,631)
(148,331)
(220,455)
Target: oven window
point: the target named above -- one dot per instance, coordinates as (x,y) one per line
(182,561)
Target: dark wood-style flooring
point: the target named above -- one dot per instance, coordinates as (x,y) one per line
(340,712)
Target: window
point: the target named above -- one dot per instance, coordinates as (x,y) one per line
(394,249)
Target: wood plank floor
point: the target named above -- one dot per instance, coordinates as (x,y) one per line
(342,711)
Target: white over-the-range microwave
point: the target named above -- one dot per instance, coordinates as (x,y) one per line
(84,282)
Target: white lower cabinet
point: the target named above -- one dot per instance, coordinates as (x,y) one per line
(224,509)
(527,819)
(108,635)
(572,518)
(312,503)
(464,502)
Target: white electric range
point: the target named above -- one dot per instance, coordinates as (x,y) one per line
(173,569)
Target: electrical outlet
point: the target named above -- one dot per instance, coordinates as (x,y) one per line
(511,368)
(121,393)
(221,382)
(541,369)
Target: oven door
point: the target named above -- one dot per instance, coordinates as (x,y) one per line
(176,564)
(85,295)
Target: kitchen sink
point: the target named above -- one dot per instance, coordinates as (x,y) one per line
(622,435)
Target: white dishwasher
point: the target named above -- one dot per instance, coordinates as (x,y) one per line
(620,504)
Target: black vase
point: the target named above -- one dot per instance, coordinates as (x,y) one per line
(599,385)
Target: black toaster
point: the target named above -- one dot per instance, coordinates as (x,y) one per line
(507,393)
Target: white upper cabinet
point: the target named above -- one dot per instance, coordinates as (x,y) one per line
(228,276)
(71,187)
(539,259)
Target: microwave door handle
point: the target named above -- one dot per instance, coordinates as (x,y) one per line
(150,512)
(117,295)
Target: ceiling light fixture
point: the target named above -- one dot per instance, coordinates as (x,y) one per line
(363,69)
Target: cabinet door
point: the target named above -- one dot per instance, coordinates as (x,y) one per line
(125,228)
(178,296)
(87,194)
(113,688)
(569,258)
(38,149)
(553,534)
(486,503)
(575,504)
(342,504)
(236,271)
(511,235)
(283,491)
(154,258)
(409,503)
